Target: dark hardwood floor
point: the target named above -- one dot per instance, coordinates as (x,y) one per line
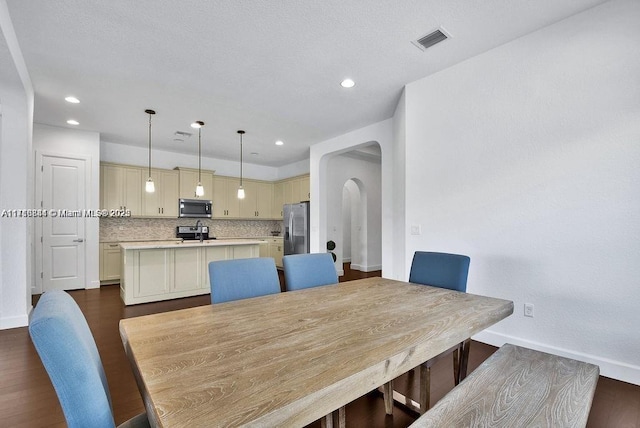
(27,398)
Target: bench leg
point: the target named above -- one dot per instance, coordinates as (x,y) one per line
(425,388)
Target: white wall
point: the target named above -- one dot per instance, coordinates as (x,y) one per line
(527,158)
(347,223)
(321,153)
(119,153)
(367,175)
(54,140)
(293,169)
(398,197)
(16,182)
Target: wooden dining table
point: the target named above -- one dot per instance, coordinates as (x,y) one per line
(291,358)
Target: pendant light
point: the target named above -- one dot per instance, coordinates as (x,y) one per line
(199,188)
(241,189)
(150,187)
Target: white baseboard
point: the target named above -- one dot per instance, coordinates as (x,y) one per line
(340,272)
(362,268)
(346,260)
(93,284)
(609,368)
(14,322)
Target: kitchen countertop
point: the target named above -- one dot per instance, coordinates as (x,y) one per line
(182,244)
(120,241)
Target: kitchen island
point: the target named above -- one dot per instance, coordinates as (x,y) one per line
(163,270)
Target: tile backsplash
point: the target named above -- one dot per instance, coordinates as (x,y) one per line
(137,229)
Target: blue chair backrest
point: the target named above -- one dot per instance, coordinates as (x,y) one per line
(308,270)
(440,270)
(242,278)
(68,352)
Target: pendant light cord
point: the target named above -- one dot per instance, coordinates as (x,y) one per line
(149,144)
(199,153)
(241,158)
(150,113)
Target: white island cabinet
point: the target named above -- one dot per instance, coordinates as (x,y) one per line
(153,271)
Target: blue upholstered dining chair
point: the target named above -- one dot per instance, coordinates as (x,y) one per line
(242,278)
(68,352)
(308,270)
(441,270)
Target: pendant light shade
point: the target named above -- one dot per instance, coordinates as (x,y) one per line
(150,186)
(241,189)
(199,188)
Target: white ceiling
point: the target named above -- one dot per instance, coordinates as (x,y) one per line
(270,67)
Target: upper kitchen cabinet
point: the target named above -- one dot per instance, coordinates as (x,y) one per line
(189,181)
(121,188)
(225,197)
(258,200)
(264,200)
(296,189)
(278,199)
(164,201)
(304,190)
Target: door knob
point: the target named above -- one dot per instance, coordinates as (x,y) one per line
(78,240)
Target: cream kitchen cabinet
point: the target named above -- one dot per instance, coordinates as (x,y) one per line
(265,250)
(121,188)
(225,197)
(257,201)
(272,247)
(278,199)
(293,190)
(189,181)
(110,262)
(164,201)
(276,250)
(304,191)
(264,200)
(154,271)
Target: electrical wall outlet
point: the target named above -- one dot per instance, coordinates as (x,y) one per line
(528,310)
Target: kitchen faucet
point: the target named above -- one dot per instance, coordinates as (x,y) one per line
(199,230)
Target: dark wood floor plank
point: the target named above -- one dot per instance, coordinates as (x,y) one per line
(27,398)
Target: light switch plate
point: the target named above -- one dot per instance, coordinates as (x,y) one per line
(416,229)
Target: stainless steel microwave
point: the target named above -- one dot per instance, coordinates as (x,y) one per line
(194,208)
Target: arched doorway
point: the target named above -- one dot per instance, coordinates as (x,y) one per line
(353,191)
(354,224)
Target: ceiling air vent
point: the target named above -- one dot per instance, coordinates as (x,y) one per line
(180,136)
(431,39)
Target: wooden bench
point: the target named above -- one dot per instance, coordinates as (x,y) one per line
(518,387)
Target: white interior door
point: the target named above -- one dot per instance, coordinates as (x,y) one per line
(63,229)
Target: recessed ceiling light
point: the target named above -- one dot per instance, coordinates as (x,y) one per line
(72,100)
(73,122)
(255,153)
(279,143)
(347,83)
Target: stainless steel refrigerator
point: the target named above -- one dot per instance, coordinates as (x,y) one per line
(296,228)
